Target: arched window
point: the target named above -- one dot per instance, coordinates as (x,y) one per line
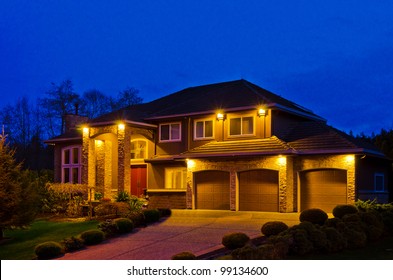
(138,149)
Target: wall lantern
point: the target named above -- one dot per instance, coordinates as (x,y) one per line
(121,126)
(85,130)
(220,116)
(262,112)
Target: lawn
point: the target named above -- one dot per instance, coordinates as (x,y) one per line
(22,242)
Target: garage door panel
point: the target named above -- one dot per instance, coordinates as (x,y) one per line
(323,189)
(212,190)
(258,190)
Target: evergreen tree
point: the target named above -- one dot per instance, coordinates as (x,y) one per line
(17,195)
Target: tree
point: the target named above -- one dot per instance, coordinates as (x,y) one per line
(94,103)
(18,205)
(129,96)
(61,100)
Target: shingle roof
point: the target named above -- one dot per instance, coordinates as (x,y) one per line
(72,135)
(266,146)
(206,98)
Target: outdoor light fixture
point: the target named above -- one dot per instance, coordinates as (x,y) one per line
(121,126)
(261,112)
(220,116)
(85,129)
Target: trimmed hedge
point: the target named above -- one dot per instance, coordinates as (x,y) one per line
(235,240)
(184,256)
(92,237)
(273,228)
(48,250)
(314,215)
(341,210)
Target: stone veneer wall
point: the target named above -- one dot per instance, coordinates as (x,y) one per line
(288,169)
(344,162)
(280,164)
(100,153)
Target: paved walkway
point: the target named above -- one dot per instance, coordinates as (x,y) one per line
(196,231)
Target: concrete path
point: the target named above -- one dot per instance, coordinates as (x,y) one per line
(196,231)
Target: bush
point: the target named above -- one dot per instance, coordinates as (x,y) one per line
(273,228)
(355,237)
(137,218)
(123,225)
(341,210)
(123,196)
(336,242)
(92,237)
(112,209)
(48,250)
(314,215)
(184,256)
(151,215)
(72,244)
(165,212)
(108,227)
(235,240)
(315,235)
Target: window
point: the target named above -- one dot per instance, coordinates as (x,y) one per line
(175,178)
(138,149)
(170,132)
(71,165)
(379,182)
(241,126)
(203,129)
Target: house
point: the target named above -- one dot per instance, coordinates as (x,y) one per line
(228,146)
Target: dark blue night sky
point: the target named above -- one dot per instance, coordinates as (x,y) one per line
(333,57)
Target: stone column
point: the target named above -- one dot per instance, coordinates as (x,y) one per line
(124,157)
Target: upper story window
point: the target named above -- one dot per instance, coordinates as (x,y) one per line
(379,182)
(203,129)
(170,132)
(138,149)
(240,126)
(71,165)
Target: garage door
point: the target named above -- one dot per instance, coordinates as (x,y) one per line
(258,190)
(212,190)
(323,189)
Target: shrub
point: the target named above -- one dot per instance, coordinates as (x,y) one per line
(273,228)
(114,209)
(235,240)
(336,242)
(48,250)
(122,196)
(151,215)
(184,256)
(335,223)
(314,215)
(72,244)
(387,218)
(315,235)
(123,225)
(341,210)
(92,236)
(108,227)
(246,252)
(355,237)
(301,245)
(165,212)
(137,218)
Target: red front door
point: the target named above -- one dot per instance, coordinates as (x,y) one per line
(138,180)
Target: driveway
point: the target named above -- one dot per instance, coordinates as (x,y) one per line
(196,231)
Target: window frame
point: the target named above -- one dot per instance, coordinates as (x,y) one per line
(204,137)
(145,152)
(170,134)
(174,170)
(382,175)
(241,126)
(71,165)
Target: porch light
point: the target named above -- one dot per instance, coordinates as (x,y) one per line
(220,116)
(282,160)
(349,158)
(261,112)
(121,126)
(85,130)
(190,163)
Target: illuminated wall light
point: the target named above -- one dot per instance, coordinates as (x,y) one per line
(99,143)
(282,160)
(220,116)
(121,126)
(190,163)
(261,112)
(350,158)
(85,130)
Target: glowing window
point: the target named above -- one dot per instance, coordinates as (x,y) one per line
(175,178)
(138,149)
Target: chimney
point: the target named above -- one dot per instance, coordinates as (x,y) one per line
(72,120)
